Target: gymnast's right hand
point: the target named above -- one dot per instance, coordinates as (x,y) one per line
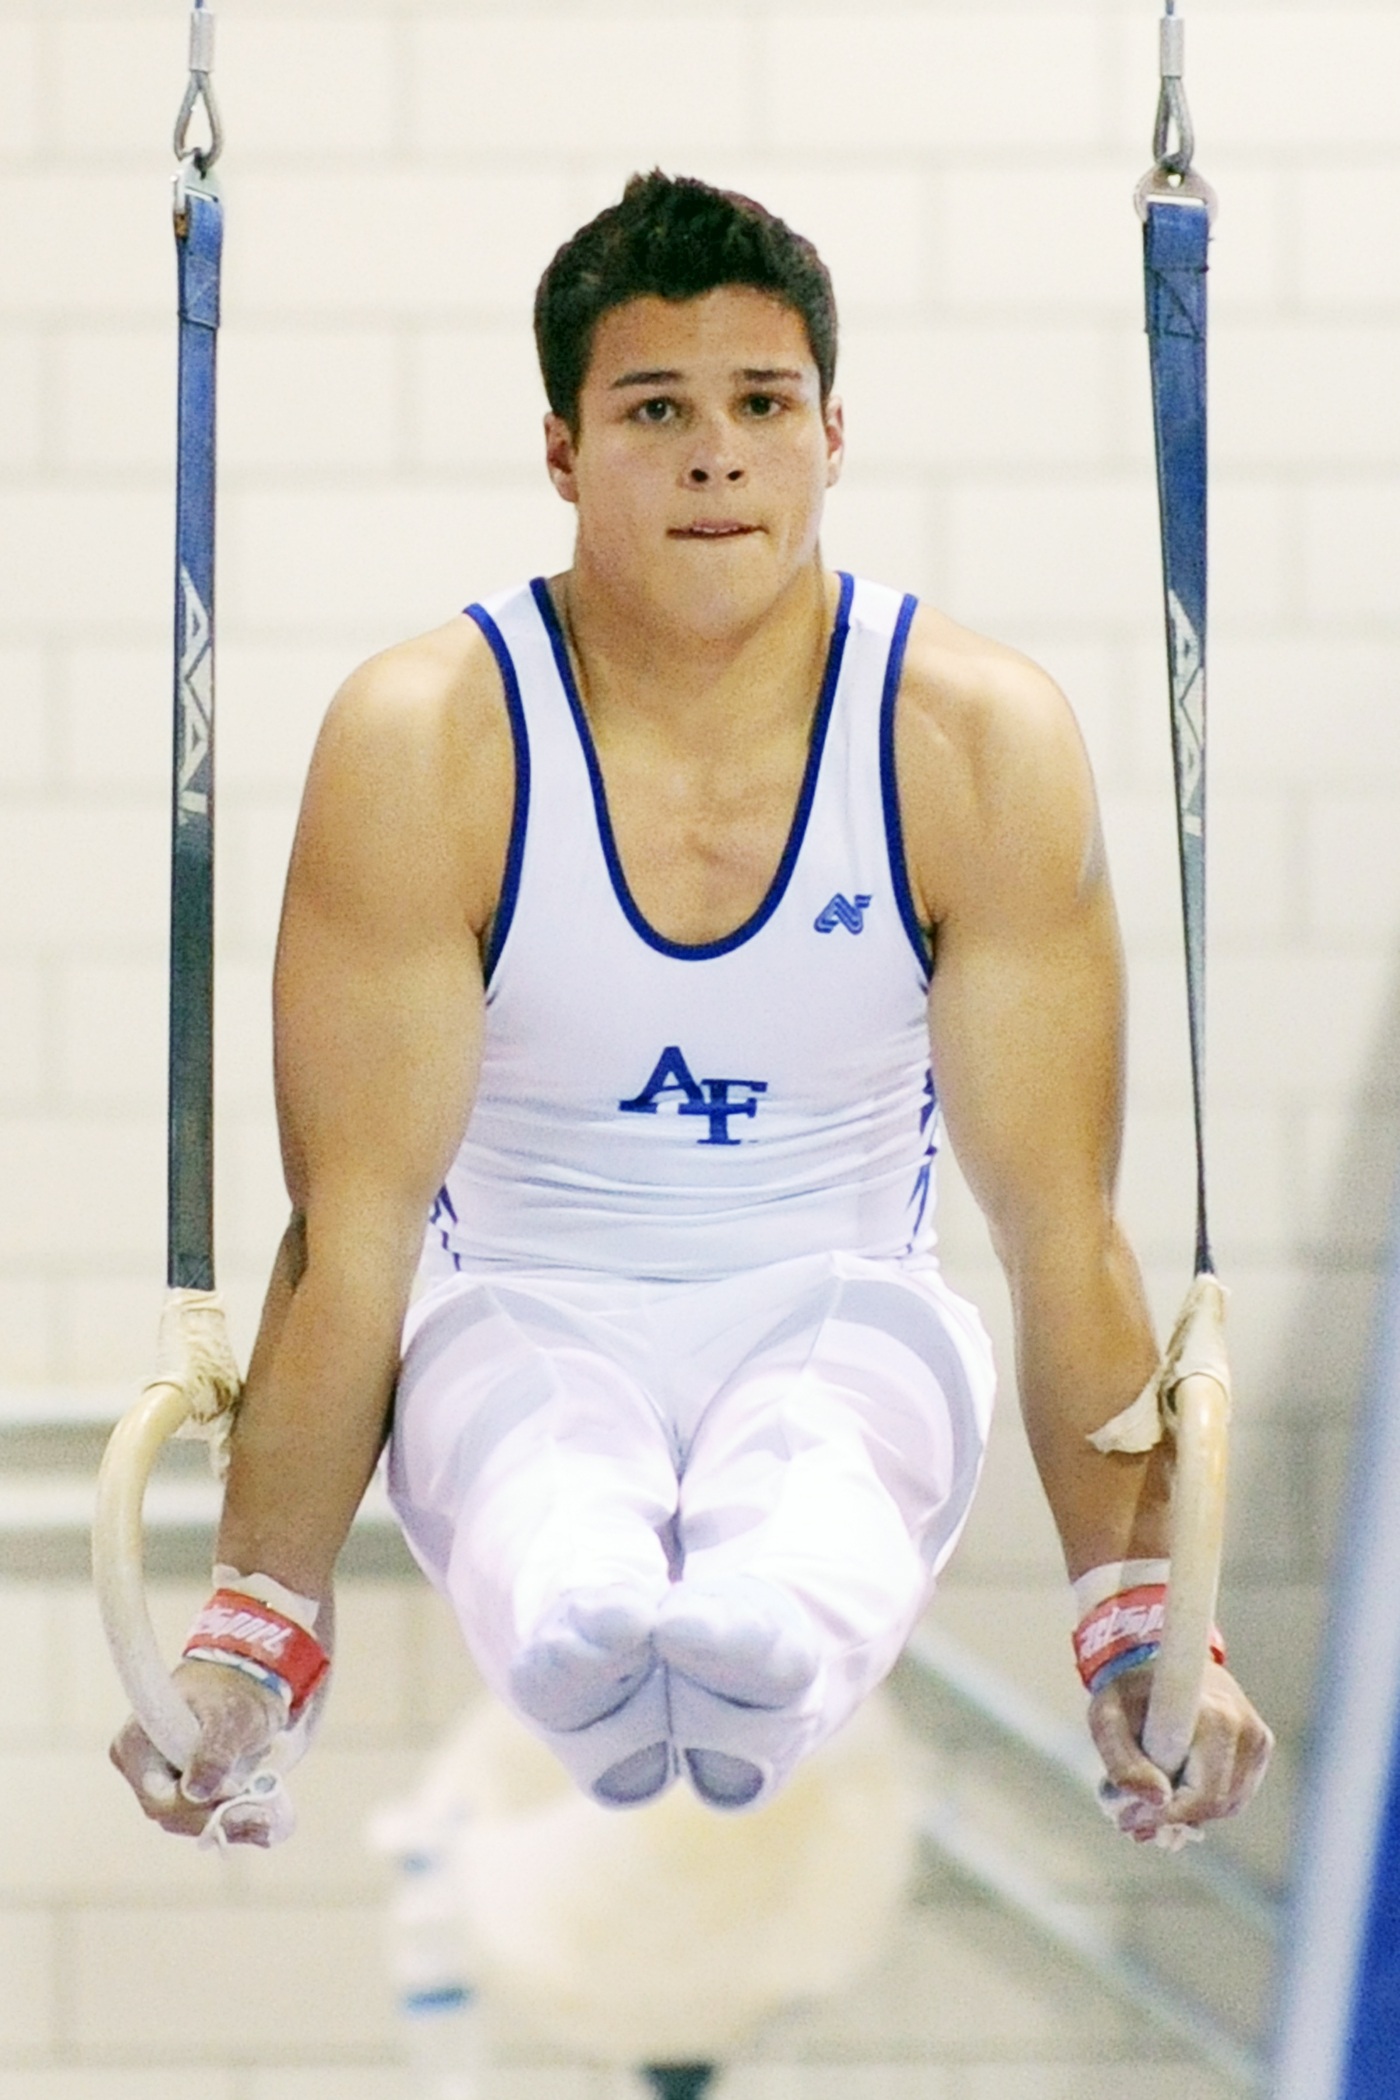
(237,1721)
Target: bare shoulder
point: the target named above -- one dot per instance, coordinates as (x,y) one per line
(413,771)
(994,781)
(436,697)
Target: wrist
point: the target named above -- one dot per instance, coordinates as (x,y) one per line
(257,1626)
(306,1611)
(268,1681)
(1122,1612)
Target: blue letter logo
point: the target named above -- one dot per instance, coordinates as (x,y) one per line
(709,1098)
(842,913)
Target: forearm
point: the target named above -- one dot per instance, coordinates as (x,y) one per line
(1085,1350)
(315,1409)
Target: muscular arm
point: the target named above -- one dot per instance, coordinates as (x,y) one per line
(1026,1029)
(1026,1025)
(394,875)
(378,998)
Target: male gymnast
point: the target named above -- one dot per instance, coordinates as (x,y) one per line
(641,928)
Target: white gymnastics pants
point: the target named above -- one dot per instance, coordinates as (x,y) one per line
(819,1424)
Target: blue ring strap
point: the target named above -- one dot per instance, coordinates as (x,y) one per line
(190,1167)
(1175,238)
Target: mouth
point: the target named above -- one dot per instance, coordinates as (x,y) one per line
(713,529)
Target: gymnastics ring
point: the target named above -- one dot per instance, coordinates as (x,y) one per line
(1196,1411)
(1188,1401)
(195,1393)
(118,1568)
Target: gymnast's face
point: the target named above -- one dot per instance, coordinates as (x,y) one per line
(701,459)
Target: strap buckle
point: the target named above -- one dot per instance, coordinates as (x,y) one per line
(191,175)
(1165,186)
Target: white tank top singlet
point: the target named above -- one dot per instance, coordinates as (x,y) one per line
(660,1110)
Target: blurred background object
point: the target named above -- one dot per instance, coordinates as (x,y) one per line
(664,1936)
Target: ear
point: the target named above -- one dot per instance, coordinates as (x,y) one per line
(834,418)
(560,453)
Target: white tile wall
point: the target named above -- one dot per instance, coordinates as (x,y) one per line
(492,88)
(125,275)
(188,2083)
(403,242)
(19,87)
(177,1980)
(933,80)
(1347,222)
(28,1982)
(1314,75)
(398,172)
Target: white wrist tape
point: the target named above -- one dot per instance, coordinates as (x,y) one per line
(292,1606)
(1097,1585)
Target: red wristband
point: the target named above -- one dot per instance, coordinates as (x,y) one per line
(232,1624)
(1121,1625)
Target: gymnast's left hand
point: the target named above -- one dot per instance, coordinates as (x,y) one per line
(1224,1767)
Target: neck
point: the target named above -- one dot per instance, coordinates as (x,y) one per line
(641,663)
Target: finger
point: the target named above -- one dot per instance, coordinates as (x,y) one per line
(249,1827)
(153,1780)
(1207,1778)
(1125,1761)
(140,1763)
(211,1772)
(155,1783)
(1251,1746)
(1252,1762)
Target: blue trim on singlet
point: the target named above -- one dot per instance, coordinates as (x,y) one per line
(702,951)
(889,787)
(515,851)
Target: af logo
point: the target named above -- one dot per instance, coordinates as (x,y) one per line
(842,912)
(712,1099)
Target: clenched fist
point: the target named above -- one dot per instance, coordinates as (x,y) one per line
(1227,1760)
(238,1720)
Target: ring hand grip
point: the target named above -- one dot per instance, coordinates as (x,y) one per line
(117,1556)
(1198,1410)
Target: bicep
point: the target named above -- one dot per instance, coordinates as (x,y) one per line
(378,989)
(1026,1027)
(1026,1003)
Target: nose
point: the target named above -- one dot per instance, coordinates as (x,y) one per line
(713,458)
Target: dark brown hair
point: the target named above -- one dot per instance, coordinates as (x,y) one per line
(673,237)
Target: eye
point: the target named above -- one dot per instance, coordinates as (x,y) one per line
(660,409)
(762,406)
